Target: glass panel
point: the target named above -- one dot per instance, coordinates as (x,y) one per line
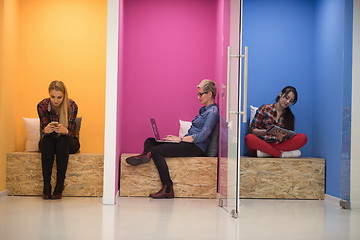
(346,107)
(229,139)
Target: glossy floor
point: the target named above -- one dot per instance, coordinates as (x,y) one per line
(144,218)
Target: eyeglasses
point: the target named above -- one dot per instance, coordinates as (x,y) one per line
(201,93)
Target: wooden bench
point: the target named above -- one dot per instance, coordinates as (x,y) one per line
(282,178)
(196,177)
(84,176)
(193,177)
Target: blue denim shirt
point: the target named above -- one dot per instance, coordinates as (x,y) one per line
(203,125)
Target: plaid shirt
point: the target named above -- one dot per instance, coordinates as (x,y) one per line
(265,118)
(47,115)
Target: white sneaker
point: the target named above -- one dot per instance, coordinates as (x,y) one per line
(262,154)
(291,154)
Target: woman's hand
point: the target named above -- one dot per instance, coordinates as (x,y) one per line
(172,138)
(58,128)
(187,139)
(259,132)
(61,129)
(50,128)
(279,134)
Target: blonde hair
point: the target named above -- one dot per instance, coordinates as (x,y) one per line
(64,108)
(208,86)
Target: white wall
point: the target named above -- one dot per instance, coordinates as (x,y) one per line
(355,124)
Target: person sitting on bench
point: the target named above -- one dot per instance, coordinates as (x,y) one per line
(262,144)
(58,136)
(193,144)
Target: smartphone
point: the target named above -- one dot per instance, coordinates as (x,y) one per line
(54,123)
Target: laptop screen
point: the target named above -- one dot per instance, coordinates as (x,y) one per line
(155,129)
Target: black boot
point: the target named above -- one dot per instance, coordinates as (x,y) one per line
(164,192)
(138,159)
(57,194)
(47,191)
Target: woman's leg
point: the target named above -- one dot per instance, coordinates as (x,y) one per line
(74,145)
(64,146)
(254,143)
(294,143)
(47,148)
(161,151)
(145,157)
(62,159)
(149,144)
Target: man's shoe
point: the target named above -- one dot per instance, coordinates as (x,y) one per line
(291,154)
(138,159)
(163,194)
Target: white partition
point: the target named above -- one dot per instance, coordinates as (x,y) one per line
(355,123)
(109,192)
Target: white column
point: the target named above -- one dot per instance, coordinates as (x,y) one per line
(109,192)
(355,115)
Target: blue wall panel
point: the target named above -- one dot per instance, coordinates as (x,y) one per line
(280,36)
(330,89)
(327,97)
(306,44)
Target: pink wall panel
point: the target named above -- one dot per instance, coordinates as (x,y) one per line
(169,46)
(119,90)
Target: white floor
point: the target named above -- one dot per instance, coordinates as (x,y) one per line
(144,218)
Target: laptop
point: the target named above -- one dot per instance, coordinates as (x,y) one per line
(156,132)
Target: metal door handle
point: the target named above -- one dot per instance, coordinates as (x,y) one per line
(244,107)
(244,100)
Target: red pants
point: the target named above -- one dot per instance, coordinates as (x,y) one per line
(254,143)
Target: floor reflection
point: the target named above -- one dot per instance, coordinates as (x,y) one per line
(145,218)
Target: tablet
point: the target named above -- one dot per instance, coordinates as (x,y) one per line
(288,133)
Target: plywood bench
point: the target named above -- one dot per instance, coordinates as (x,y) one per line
(194,177)
(84,175)
(282,178)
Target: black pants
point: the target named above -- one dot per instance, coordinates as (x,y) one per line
(161,150)
(59,146)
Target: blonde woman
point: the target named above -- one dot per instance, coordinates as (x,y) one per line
(194,144)
(58,136)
